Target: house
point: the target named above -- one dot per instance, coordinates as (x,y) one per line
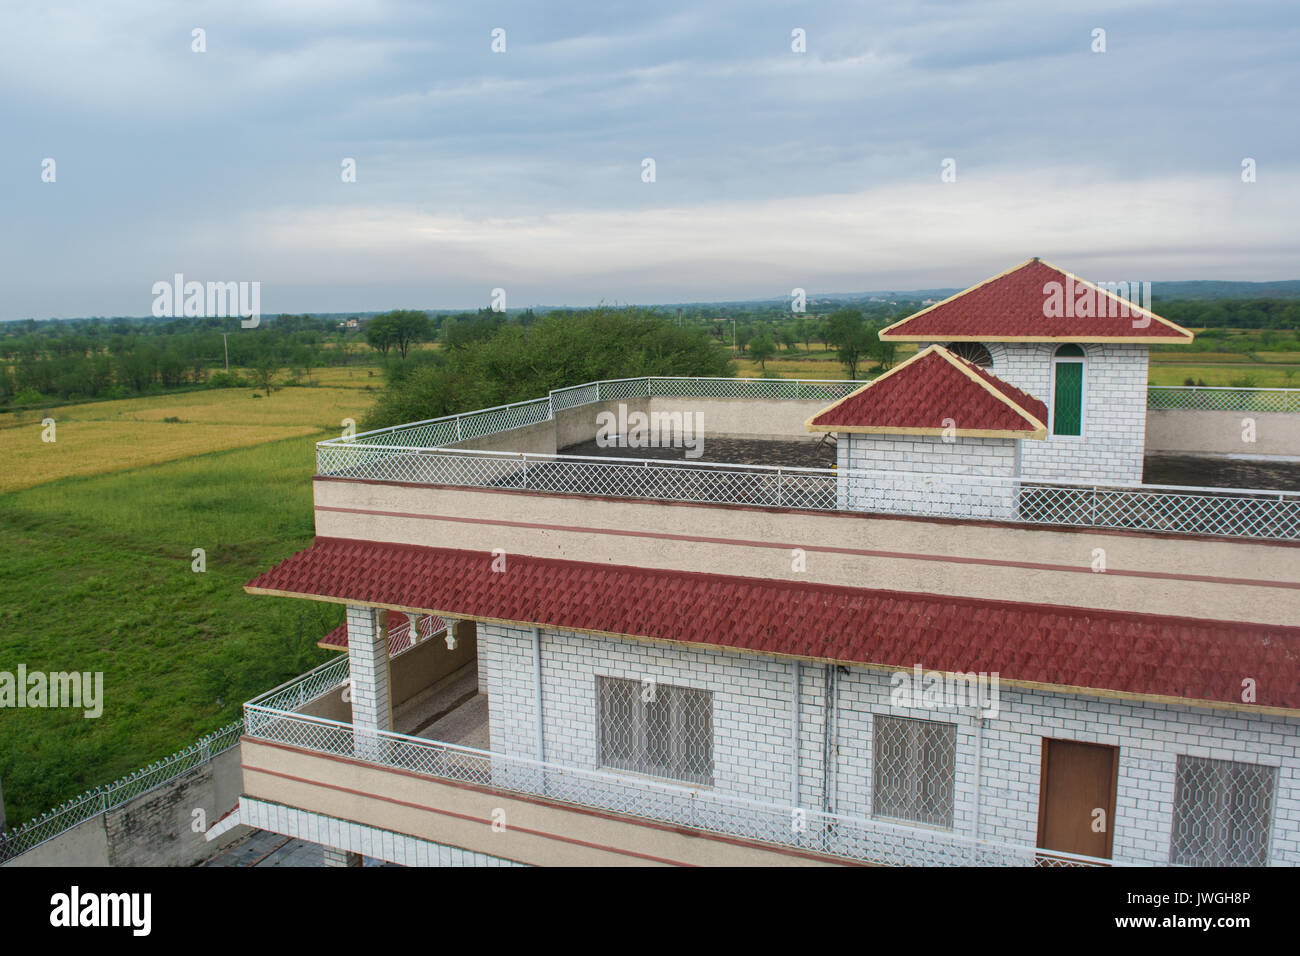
(970,637)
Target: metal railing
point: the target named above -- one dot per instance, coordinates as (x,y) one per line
(303,689)
(707,810)
(439,432)
(418,453)
(108,796)
(1224,398)
(1228,512)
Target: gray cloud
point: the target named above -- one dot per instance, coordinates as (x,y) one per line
(523,169)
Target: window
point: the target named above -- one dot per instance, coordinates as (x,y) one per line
(972,352)
(1222,811)
(656,729)
(1067,391)
(915,762)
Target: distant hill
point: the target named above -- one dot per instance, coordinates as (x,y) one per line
(1219,289)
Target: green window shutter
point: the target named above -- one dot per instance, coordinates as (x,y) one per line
(1067,411)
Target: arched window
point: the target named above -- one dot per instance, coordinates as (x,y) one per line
(972,352)
(1067,391)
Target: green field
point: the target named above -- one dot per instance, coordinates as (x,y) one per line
(95,575)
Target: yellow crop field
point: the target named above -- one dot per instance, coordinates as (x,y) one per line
(100,437)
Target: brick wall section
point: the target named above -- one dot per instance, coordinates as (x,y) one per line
(752,749)
(1115,410)
(751,701)
(927,455)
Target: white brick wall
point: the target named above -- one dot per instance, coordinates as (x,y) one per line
(898,491)
(752,727)
(751,701)
(1115,410)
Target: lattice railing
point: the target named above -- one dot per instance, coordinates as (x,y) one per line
(440,432)
(106,797)
(305,688)
(1159,508)
(853,838)
(1208,397)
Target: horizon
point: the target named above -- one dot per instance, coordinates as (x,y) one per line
(903,294)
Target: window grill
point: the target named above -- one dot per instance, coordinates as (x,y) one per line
(914,769)
(1222,812)
(656,729)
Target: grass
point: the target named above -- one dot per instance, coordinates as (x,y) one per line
(101,437)
(95,575)
(95,572)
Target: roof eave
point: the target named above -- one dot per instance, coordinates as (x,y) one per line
(1104,692)
(1096,339)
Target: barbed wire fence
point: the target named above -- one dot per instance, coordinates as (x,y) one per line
(106,797)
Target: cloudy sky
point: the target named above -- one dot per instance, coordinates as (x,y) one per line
(523,169)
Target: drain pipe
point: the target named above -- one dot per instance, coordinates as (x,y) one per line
(979,775)
(829,749)
(794,736)
(537,693)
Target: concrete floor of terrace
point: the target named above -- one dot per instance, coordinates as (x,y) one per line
(1158,469)
(451,710)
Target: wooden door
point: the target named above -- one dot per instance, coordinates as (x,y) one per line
(1077,780)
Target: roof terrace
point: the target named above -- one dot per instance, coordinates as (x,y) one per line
(754,451)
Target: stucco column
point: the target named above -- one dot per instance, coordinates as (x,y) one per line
(372,707)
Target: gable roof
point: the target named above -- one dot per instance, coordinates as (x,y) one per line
(935,386)
(1068,649)
(1014,307)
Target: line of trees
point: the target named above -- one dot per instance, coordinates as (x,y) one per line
(94,358)
(490,359)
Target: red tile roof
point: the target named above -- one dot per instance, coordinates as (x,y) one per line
(1136,654)
(1013,307)
(919,396)
(399,633)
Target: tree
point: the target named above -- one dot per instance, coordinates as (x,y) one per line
(513,362)
(761,349)
(264,373)
(852,337)
(409,326)
(379,335)
(744,335)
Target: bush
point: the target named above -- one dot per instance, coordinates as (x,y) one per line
(224,380)
(29,396)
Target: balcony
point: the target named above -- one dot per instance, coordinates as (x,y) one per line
(447,792)
(529,446)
